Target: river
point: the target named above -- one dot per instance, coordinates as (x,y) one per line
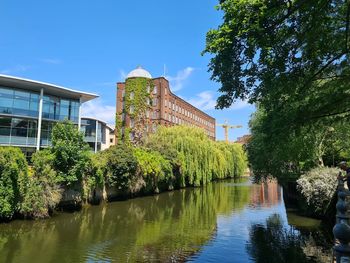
(227,221)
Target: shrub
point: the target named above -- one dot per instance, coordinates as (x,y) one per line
(120,166)
(13,180)
(318,187)
(94,173)
(43,192)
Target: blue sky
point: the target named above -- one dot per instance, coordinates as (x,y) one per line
(90,45)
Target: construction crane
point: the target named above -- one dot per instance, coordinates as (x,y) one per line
(226,126)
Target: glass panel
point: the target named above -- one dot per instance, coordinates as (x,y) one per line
(34,105)
(74,111)
(103,131)
(99,132)
(19,123)
(6,100)
(46,107)
(64,109)
(5,122)
(5,131)
(22,95)
(21,102)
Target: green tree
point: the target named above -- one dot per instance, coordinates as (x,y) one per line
(290,56)
(200,159)
(70,152)
(13,181)
(154,168)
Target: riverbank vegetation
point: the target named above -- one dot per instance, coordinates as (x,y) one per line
(67,173)
(290,59)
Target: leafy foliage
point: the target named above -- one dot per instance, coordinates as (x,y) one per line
(137,93)
(201,160)
(290,58)
(153,167)
(43,191)
(318,187)
(70,152)
(283,53)
(13,180)
(120,166)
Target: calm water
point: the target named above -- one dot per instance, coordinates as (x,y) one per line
(223,222)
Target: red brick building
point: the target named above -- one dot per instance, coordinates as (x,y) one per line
(166,108)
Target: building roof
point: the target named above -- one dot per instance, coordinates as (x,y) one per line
(51,89)
(139,72)
(99,120)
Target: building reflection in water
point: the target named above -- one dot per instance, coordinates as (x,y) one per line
(266,194)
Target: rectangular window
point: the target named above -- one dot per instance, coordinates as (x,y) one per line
(132,123)
(155,115)
(131,109)
(154,102)
(64,109)
(155,90)
(131,95)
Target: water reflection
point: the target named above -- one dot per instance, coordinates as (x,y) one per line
(172,226)
(272,243)
(224,222)
(266,194)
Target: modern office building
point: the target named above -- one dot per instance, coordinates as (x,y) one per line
(165,108)
(29,109)
(98,134)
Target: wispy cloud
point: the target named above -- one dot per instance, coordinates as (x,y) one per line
(206,100)
(179,80)
(15,69)
(53,61)
(99,110)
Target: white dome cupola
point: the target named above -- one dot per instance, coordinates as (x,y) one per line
(139,72)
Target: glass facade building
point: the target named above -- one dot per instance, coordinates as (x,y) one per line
(29,109)
(97,133)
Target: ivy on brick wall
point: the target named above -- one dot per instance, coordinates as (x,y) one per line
(137,100)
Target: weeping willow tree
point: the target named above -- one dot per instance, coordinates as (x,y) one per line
(154,168)
(201,160)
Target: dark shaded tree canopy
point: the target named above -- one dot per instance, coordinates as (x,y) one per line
(291,57)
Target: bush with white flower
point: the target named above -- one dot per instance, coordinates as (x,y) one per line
(318,187)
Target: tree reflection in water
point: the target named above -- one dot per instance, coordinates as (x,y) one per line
(274,242)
